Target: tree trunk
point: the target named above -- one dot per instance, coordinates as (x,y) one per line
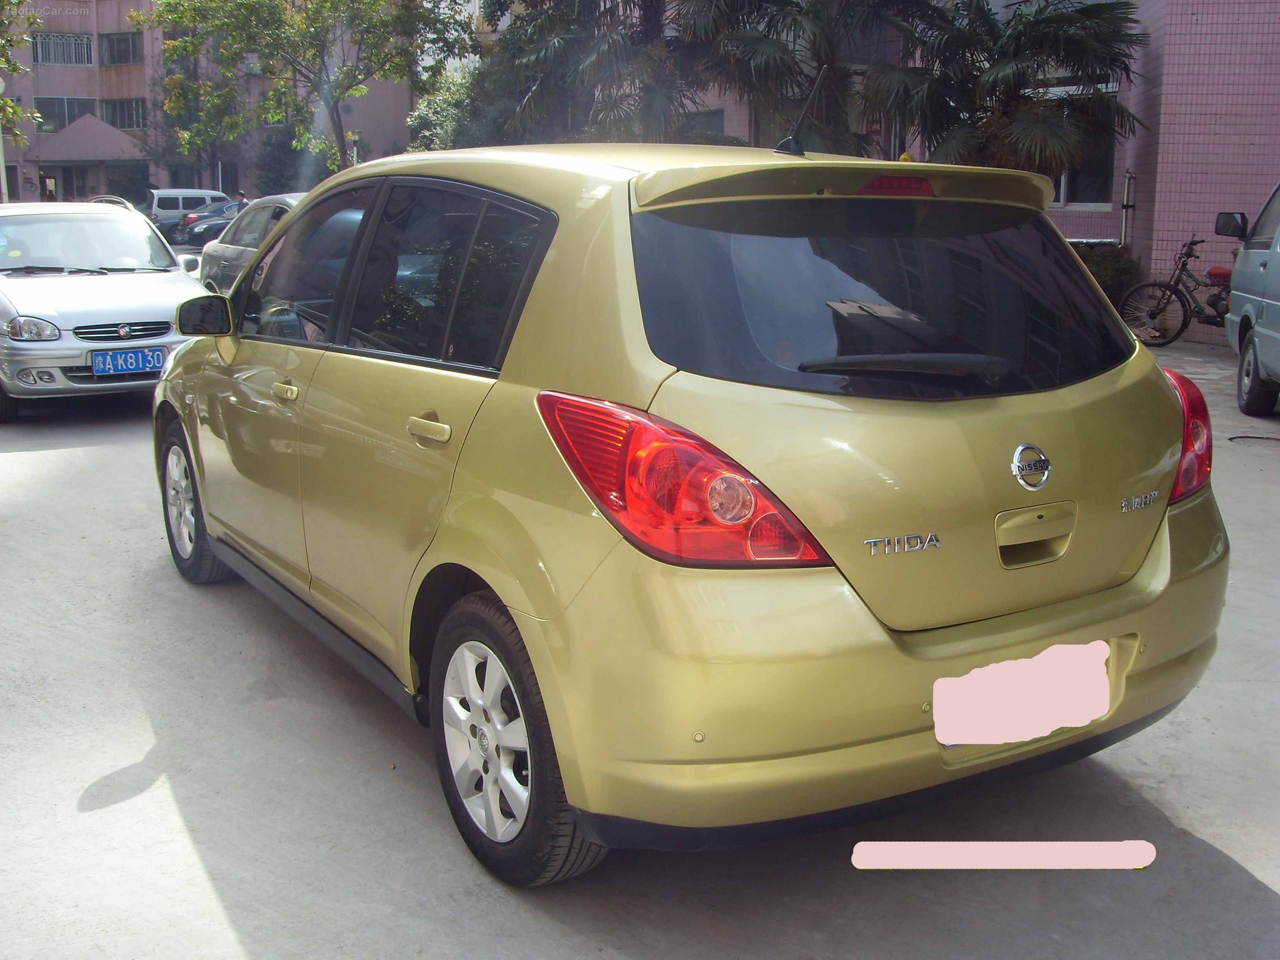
(334,109)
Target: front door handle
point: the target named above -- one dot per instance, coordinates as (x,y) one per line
(1262,265)
(425,429)
(284,391)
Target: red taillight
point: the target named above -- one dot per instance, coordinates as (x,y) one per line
(1196,459)
(672,494)
(897,187)
(190,218)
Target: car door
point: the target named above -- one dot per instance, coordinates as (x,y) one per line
(1256,290)
(286,311)
(391,402)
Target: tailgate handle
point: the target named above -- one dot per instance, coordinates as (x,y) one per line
(426,428)
(1033,535)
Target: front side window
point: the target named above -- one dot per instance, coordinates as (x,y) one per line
(292,291)
(871,297)
(1263,233)
(252,229)
(415,259)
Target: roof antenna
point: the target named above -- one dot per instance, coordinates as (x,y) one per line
(791,145)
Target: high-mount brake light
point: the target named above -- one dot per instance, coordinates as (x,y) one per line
(672,494)
(890,186)
(1196,458)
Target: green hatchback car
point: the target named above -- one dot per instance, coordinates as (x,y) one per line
(695,494)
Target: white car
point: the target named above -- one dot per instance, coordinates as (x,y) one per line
(88,293)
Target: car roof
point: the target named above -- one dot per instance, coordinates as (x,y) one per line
(279,199)
(666,173)
(185,192)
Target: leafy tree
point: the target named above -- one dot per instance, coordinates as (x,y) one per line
(472,106)
(314,55)
(283,168)
(770,51)
(1025,88)
(16,22)
(600,69)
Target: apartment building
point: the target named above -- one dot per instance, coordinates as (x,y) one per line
(97,83)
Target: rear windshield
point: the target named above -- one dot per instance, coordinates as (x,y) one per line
(895,298)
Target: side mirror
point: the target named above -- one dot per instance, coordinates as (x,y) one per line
(1232,225)
(204,316)
(189,263)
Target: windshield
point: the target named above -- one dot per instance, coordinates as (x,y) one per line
(874,297)
(70,240)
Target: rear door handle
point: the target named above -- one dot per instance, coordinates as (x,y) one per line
(1263,265)
(284,391)
(425,429)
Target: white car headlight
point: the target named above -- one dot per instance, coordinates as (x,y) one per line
(32,328)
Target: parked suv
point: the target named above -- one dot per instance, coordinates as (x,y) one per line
(166,208)
(683,490)
(1253,320)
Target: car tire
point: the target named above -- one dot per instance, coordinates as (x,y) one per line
(184,514)
(548,845)
(1254,395)
(8,407)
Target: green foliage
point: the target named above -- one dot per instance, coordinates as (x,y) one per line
(283,168)
(473,107)
(16,22)
(708,138)
(314,55)
(1024,88)
(1114,269)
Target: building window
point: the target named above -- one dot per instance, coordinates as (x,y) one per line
(71,49)
(118,48)
(1090,182)
(706,121)
(125,114)
(57,112)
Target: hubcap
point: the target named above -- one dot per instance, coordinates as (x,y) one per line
(486,740)
(1246,371)
(180,502)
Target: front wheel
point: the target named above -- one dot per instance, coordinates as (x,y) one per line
(1254,395)
(183,516)
(494,751)
(1155,313)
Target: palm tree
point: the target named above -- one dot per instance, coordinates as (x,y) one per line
(1026,88)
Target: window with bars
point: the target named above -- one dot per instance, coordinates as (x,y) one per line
(125,114)
(118,48)
(57,112)
(68,49)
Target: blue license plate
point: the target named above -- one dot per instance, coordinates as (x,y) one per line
(114,362)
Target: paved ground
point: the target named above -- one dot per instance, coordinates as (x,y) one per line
(184,773)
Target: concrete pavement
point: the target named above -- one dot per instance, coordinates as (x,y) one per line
(183,771)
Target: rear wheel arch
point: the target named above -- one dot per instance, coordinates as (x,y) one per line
(442,587)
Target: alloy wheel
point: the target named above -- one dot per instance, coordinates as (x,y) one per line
(486,740)
(179,500)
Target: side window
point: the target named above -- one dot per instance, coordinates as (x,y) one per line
(193,203)
(1264,228)
(253,229)
(292,292)
(407,285)
(277,213)
(166,203)
(489,284)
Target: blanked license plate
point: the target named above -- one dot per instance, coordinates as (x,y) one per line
(1018,700)
(108,363)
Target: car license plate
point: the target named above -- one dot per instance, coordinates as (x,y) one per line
(1019,700)
(110,363)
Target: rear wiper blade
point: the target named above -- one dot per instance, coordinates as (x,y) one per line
(938,364)
(32,268)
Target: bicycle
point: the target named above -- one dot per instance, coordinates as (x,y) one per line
(1159,312)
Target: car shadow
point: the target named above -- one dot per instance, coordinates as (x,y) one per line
(64,423)
(317,813)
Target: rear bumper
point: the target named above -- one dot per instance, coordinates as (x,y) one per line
(638,834)
(687,701)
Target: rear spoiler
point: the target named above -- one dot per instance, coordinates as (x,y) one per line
(791,178)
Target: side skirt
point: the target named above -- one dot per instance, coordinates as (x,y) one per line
(346,649)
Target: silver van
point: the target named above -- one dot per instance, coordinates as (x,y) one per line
(166,208)
(1253,320)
